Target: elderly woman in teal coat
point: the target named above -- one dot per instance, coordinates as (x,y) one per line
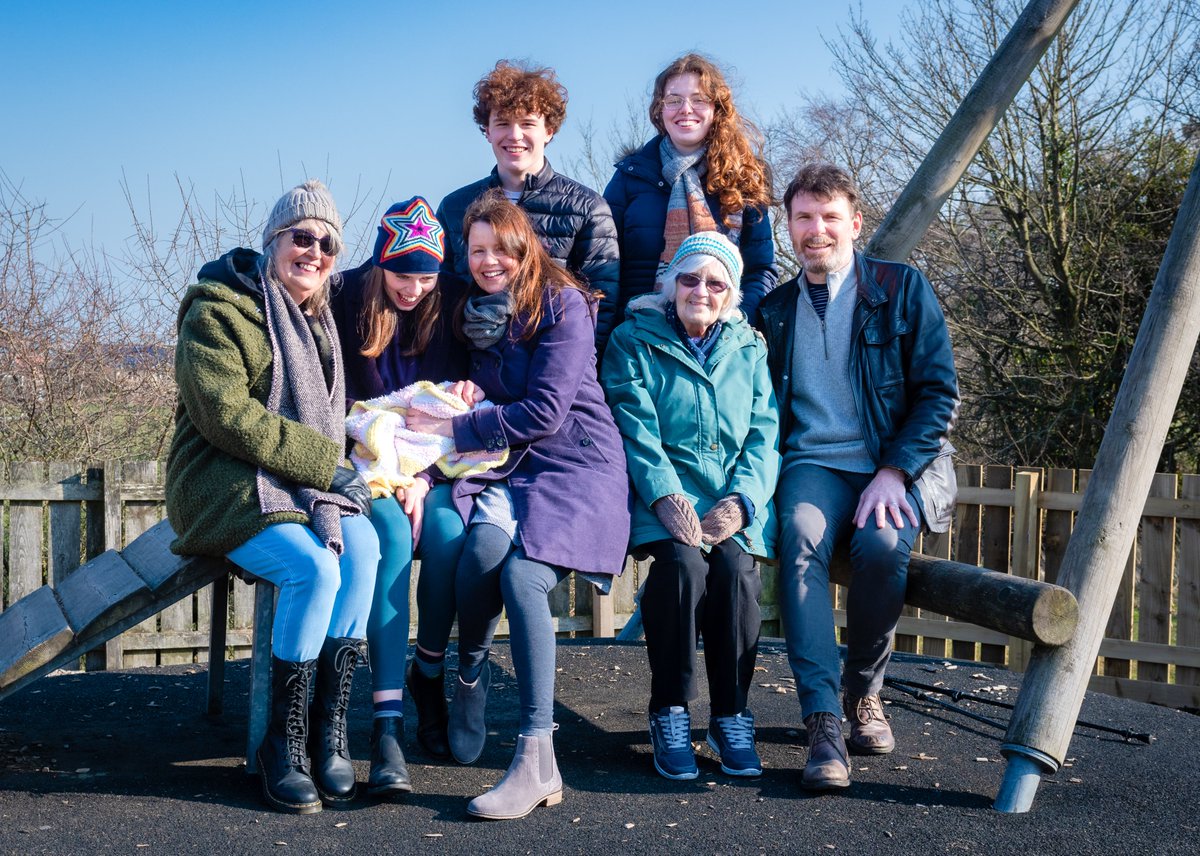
(686,377)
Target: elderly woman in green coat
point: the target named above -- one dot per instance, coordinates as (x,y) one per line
(686,377)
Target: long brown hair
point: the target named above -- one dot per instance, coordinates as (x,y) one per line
(737,174)
(379,319)
(536,272)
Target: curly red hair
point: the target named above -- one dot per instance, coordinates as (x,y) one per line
(513,89)
(737,174)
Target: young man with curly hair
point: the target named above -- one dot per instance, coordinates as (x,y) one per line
(519,108)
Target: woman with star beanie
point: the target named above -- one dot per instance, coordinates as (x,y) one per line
(394,318)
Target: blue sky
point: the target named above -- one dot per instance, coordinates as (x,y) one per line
(374,98)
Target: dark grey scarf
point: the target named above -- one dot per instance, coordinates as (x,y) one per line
(299,393)
(486,317)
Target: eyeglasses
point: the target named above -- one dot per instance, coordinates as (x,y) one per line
(303,239)
(690,280)
(676,102)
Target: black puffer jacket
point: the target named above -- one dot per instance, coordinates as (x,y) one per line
(573,221)
(638,197)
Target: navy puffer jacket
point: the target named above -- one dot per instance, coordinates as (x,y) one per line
(573,222)
(638,197)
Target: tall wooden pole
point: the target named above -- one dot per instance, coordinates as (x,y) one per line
(1052,691)
(979,113)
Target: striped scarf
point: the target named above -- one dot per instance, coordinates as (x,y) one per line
(687,209)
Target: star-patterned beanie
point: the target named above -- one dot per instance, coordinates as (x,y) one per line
(411,240)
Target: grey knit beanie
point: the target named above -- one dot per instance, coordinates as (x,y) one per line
(308,201)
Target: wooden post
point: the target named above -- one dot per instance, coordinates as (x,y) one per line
(114,539)
(1026,547)
(1052,692)
(979,113)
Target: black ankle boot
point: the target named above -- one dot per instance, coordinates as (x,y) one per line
(328,742)
(282,757)
(389,773)
(429,697)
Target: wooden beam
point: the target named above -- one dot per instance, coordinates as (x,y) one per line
(977,116)
(1043,721)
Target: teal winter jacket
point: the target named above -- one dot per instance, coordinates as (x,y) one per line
(704,431)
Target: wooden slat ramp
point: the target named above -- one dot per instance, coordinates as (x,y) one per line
(55,625)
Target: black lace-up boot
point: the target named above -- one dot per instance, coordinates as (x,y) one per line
(282,757)
(328,742)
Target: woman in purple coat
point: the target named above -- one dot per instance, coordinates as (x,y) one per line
(560,504)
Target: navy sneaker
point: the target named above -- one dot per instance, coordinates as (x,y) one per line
(732,737)
(671,739)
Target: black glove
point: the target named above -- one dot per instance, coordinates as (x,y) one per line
(350,484)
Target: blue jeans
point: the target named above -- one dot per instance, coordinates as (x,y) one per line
(816,511)
(320,594)
(493,575)
(442,537)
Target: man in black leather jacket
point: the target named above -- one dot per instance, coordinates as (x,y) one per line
(864,374)
(519,109)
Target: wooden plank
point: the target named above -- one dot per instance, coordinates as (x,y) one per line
(1150,652)
(768,575)
(560,598)
(1155,582)
(25,522)
(1056,525)
(51,492)
(967,518)
(139,517)
(937,545)
(243,614)
(1168,695)
(101,593)
(93,546)
(994,549)
(959,631)
(66,524)
(1026,550)
(34,631)
(1187,621)
(217,640)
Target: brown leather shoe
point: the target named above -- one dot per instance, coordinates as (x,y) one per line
(828,766)
(870,733)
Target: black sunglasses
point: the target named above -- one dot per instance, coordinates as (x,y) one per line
(302,239)
(690,280)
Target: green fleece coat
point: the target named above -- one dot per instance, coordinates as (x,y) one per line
(223,430)
(704,431)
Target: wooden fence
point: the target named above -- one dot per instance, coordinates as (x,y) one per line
(54,516)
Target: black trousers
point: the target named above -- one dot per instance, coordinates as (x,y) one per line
(691,594)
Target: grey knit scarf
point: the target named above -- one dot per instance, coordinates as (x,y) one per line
(486,317)
(299,393)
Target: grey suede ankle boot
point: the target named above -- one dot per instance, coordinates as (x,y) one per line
(532,780)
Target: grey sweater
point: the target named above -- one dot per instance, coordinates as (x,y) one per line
(826,431)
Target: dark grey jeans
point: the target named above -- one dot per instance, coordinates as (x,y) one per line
(816,512)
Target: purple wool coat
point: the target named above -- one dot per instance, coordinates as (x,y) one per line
(566,469)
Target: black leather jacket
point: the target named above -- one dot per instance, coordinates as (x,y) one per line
(902,371)
(573,221)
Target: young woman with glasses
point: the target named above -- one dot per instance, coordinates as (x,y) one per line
(702,172)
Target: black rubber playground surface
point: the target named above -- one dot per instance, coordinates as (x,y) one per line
(126,762)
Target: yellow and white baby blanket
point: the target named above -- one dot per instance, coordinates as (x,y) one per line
(388,455)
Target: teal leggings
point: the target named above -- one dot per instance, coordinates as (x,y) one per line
(442,537)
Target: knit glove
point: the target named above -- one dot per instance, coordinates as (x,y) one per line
(679,517)
(350,484)
(723,519)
